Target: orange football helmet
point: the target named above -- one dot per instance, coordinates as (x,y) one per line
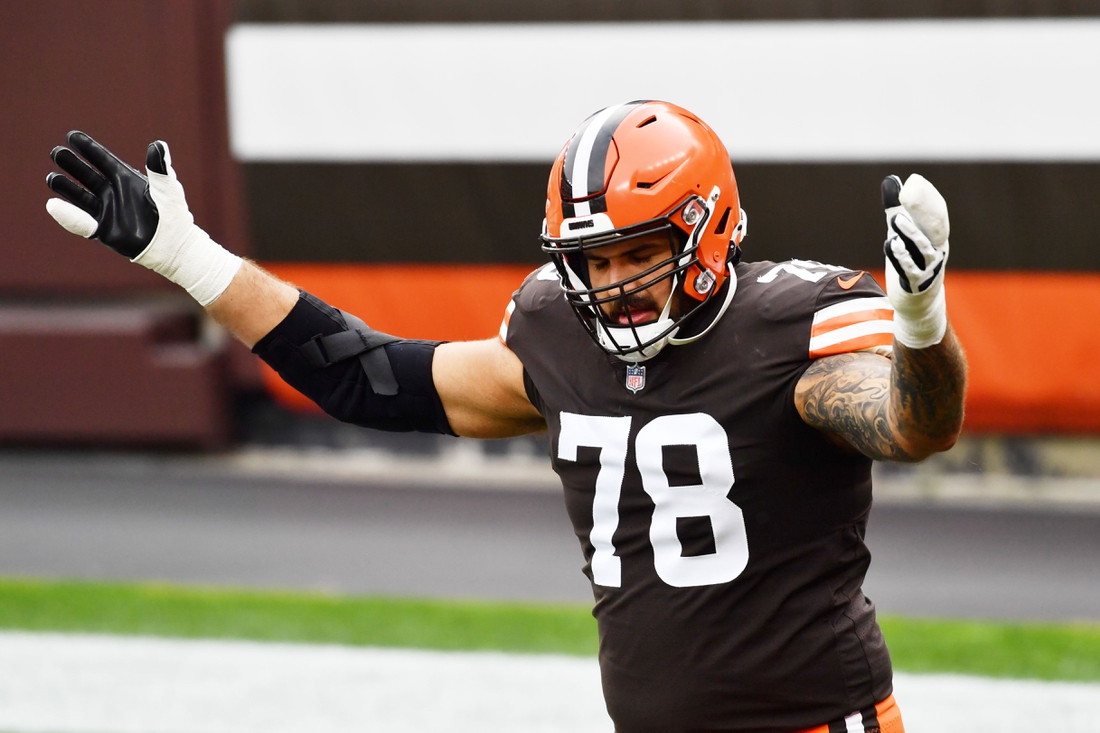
(630,170)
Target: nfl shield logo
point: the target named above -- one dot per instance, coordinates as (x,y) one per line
(635,378)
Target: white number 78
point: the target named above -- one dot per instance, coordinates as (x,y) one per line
(611,435)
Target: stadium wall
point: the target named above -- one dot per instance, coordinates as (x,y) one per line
(371,230)
(95,350)
(363,212)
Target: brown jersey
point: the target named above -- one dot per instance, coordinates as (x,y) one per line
(723,536)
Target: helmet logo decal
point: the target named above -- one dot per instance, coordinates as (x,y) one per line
(635,378)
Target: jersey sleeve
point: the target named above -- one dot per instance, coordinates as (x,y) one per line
(537,290)
(852,313)
(523,330)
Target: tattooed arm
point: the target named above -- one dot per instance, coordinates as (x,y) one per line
(900,409)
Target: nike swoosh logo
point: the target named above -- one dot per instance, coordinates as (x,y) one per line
(847,284)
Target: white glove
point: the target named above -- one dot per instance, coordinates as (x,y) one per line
(916,248)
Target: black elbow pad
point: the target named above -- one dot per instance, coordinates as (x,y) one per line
(354,373)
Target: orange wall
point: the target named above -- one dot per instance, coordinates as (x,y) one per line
(1032,339)
(1033,344)
(445,302)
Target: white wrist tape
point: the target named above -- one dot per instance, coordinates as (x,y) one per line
(179,250)
(921,322)
(194,261)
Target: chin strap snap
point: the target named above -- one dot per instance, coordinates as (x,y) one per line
(721,311)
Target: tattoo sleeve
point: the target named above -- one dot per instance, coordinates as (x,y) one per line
(899,409)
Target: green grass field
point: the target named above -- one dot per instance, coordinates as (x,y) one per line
(1038,651)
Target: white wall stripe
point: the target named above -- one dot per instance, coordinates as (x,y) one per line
(1006,89)
(856,330)
(847,307)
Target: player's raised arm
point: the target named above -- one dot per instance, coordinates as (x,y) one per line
(911,406)
(354,373)
(145,219)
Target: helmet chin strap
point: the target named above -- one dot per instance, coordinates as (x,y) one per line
(612,338)
(663,330)
(721,312)
(641,334)
(650,330)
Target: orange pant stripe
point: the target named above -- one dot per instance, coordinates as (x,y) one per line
(884,717)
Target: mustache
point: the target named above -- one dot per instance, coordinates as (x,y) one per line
(635,301)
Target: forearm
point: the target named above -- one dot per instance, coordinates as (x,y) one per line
(254,303)
(927,390)
(900,409)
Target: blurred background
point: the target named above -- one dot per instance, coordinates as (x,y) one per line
(391,158)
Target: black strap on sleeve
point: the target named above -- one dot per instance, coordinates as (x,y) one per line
(359,340)
(354,373)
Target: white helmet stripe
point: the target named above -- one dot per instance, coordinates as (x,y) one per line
(584,167)
(578,176)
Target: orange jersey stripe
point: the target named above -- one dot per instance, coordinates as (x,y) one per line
(887,713)
(884,314)
(869,341)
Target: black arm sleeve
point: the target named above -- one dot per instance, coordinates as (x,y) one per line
(351,378)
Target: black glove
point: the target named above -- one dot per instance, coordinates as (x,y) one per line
(111,202)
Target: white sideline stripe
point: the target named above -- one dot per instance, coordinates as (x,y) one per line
(88,684)
(987,89)
(854,331)
(82,683)
(855,305)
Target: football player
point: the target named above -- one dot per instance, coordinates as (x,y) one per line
(713,421)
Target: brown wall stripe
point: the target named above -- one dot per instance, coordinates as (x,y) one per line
(488,11)
(1004,216)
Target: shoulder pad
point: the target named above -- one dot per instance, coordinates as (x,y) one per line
(539,289)
(807,271)
(785,292)
(852,313)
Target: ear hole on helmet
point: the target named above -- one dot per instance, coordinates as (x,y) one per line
(648,121)
(721,228)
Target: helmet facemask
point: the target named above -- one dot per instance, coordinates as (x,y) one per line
(652,169)
(598,308)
